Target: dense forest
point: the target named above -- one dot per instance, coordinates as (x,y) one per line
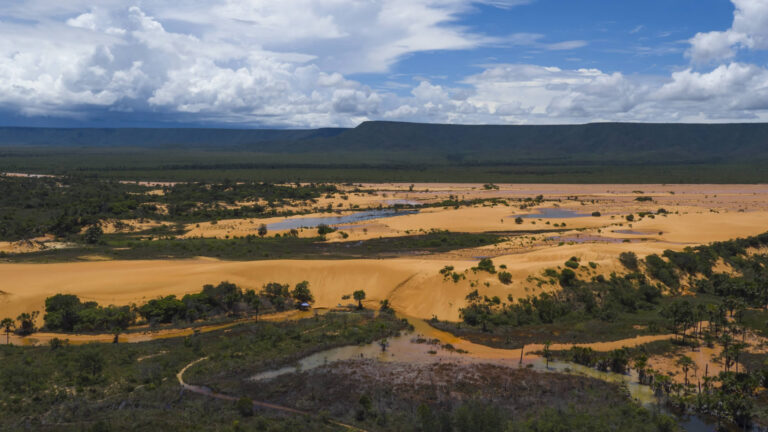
(677,292)
(63,206)
(388,151)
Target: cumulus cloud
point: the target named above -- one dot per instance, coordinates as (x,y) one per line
(228,60)
(748,31)
(268,63)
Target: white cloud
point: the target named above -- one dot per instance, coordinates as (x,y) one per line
(262,62)
(534,40)
(748,31)
(252,61)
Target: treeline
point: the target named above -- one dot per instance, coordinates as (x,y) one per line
(601,297)
(742,288)
(639,289)
(68,313)
(225,298)
(63,206)
(165,245)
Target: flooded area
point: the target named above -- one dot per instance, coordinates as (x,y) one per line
(427,345)
(313,222)
(552,213)
(635,232)
(588,238)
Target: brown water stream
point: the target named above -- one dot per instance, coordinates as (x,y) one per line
(427,344)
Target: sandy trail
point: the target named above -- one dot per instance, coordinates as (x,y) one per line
(137,335)
(256,404)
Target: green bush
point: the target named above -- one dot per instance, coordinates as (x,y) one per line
(244,406)
(505,277)
(629,260)
(486,265)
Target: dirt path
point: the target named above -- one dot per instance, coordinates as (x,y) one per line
(145,336)
(205,391)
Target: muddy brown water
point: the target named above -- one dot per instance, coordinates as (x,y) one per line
(426,345)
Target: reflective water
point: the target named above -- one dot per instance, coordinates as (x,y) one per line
(552,213)
(634,232)
(426,345)
(313,222)
(585,238)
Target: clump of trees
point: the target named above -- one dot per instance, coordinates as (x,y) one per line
(66,312)
(629,260)
(324,229)
(486,265)
(505,277)
(601,298)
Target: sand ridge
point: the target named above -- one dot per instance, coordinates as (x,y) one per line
(699,214)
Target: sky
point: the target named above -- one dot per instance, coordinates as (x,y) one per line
(331,63)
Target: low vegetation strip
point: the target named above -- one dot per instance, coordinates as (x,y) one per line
(104,386)
(256,248)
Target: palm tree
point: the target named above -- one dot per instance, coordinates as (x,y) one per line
(27,321)
(255,305)
(547,352)
(641,362)
(8,324)
(359,295)
(685,364)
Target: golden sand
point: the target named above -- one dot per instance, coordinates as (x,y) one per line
(414,286)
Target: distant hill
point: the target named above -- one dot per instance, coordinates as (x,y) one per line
(404,152)
(149,137)
(636,142)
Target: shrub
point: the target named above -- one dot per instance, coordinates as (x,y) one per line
(662,270)
(567,277)
(301,293)
(629,260)
(486,265)
(93,234)
(505,277)
(324,229)
(244,406)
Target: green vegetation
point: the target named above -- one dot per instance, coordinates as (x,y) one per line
(729,302)
(67,313)
(121,387)
(140,246)
(359,296)
(505,277)
(63,206)
(408,152)
(486,265)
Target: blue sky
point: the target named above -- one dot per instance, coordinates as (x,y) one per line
(313,63)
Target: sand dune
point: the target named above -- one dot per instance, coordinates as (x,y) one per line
(414,286)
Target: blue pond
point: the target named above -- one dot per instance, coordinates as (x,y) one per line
(553,213)
(337,220)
